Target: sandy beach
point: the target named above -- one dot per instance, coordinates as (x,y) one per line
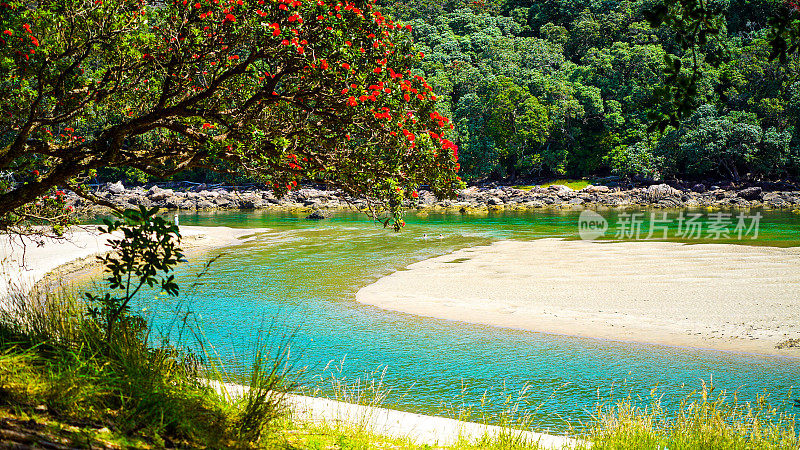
(715,296)
(418,428)
(25,261)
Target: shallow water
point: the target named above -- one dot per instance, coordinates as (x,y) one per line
(300,280)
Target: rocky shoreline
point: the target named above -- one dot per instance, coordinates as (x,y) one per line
(202,197)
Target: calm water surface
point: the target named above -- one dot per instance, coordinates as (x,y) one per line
(300,280)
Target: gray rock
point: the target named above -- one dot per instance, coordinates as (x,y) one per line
(590,189)
(173,202)
(140,200)
(317,215)
(549,200)
(115,188)
(559,188)
(249,203)
(495,201)
(751,193)
(576,201)
(427,198)
(660,191)
(155,193)
(205,204)
(699,187)
(310,194)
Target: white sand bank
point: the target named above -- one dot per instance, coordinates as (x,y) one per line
(717,296)
(23,261)
(419,428)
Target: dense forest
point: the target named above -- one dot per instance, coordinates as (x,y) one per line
(566,88)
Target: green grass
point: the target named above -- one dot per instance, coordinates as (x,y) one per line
(703,420)
(53,354)
(575,185)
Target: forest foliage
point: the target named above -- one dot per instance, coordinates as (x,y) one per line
(558,88)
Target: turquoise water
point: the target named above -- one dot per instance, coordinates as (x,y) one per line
(300,280)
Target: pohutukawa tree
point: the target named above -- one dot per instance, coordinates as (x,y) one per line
(284,90)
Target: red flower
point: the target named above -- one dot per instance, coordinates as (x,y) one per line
(352,101)
(35,172)
(346,66)
(414,194)
(229,18)
(8,32)
(377,70)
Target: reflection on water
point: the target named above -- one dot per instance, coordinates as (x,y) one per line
(300,279)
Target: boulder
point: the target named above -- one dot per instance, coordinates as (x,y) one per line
(659,191)
(310,194)
(251,201)
(559,188)
(751,193)
(699,188)
(155,193)
(427,198)
(590,189)
(468,193)
(173,202)
(140,200)
(115,188)
(494,201)
(317,215)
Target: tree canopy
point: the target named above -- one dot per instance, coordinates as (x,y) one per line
(607,80)
(283,91)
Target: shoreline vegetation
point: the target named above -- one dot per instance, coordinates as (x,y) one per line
(33,382)
(472,200)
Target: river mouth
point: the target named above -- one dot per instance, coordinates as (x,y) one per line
(299,280)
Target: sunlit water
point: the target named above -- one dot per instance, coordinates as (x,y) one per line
(300,280)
